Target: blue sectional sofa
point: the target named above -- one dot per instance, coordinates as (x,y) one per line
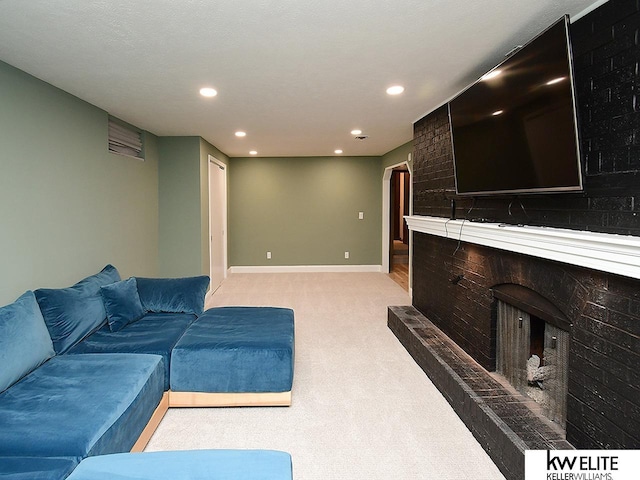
(37,468)
(86,370)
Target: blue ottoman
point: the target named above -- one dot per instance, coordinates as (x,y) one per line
(187,465)
(235,356)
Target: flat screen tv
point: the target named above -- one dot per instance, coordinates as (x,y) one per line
(515,130)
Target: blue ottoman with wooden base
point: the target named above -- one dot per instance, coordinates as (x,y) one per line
(235,356)
(187,465)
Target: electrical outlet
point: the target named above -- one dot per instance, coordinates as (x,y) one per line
(268,255)
(360,215)
(346,254)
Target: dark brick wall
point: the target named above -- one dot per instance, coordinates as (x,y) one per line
(433,180)
(604,389)
(462,310)
(606,47)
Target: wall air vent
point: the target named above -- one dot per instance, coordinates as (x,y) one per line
(125,140)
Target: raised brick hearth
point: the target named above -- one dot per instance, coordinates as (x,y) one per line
(502,419)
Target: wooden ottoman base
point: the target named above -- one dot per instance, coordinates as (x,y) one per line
(224,399)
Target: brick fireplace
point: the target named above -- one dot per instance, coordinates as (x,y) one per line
(603,408)
(455,275)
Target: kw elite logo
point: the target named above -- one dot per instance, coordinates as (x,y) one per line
(581,464)
(581,467)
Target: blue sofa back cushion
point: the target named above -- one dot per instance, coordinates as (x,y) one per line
(74,312)
(173,295)
(122,303)
(25,343)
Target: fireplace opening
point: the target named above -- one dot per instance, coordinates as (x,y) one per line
(532,349)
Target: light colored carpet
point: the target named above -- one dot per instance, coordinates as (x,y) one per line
(362,408)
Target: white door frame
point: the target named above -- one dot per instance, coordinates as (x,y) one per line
(215,163)
(386,215)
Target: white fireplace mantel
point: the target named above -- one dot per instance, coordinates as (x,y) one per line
(619,254)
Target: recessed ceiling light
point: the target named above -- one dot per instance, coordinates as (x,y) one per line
(253,152)
(338,151)
(395,90)
(490,75)
(208,92)
(356,132)
(241,134)
(497,112)
(555,80)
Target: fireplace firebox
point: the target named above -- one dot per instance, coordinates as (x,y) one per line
(532,349)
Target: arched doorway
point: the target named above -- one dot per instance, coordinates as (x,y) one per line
(395,233)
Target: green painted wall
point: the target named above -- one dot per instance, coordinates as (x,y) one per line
(398,155)
(68,206)
(184,205)
(179,203)
(305,211)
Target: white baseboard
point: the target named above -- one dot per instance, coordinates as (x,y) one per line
(306,269)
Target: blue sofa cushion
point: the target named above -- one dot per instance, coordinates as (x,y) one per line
(155,333)
(80,405)
(24,340)
(188,465)
(173,295)
(122,303)
(236,350)
(37,468)
(72,313)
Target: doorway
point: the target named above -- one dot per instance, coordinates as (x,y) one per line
(217,222)
(398,229)
(395,232)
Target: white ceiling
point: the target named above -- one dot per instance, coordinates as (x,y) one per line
(296,75)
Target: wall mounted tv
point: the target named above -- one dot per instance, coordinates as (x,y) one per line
(515,130)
